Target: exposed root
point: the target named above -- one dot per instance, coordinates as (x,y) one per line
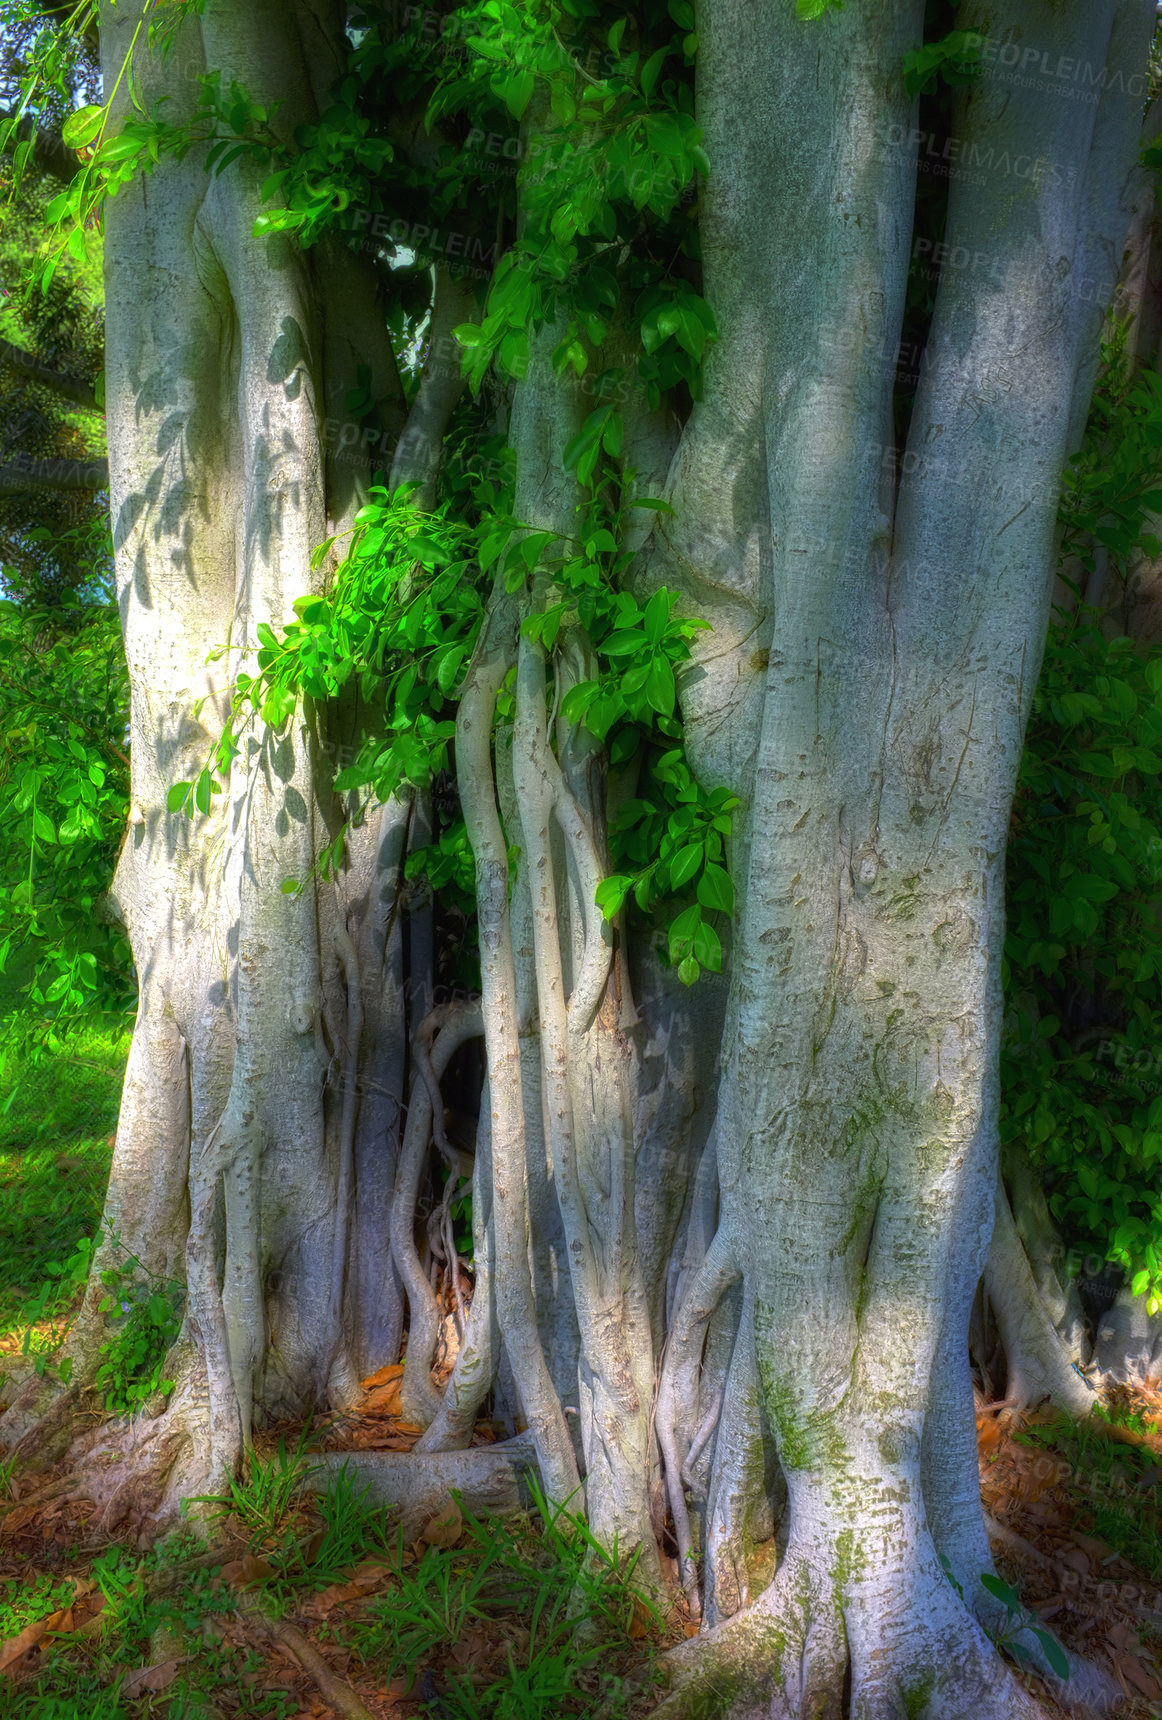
(475,1365)
(138,1469)
(739,1503)
(449,1027)
(344,1186)
(709,1284)
(1040,1368)
(332,1688)
(802,1652)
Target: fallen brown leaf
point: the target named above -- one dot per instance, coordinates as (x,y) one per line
(640,1621)
(471,1651)
(16,1647)
(383,1401)
(152,1679)
(1135,1674)
(383,1376)
(244,1572)
(988,1433)
(1098,1551)
(445,1528)
(370,1575)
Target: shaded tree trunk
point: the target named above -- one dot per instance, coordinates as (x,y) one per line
(727,1245)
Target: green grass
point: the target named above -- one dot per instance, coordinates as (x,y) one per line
(1105,1484)
(58,1112)
(557,1615)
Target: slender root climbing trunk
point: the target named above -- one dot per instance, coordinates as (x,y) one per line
(585,1060)
(1039,1366)
(452,1025)
(515,1308)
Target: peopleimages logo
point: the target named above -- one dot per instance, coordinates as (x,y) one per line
(959,157)
(1032,67)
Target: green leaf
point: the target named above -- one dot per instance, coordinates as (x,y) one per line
(42,826)
(611,893)
(1001,1591)
(204,789)
(659,688)
(1054,1653)
(716,889)
(651,70)
(656,617)
(685,863)
(518,92)
(82,126)
(177,796)
(708,947)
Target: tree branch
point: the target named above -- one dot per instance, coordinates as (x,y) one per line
(54,475)
(29,365)
(50,153)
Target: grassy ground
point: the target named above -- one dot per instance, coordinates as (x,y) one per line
(57,1118)
(474,1620)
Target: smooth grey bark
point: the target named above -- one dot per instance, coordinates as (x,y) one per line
(856,1122)
(259,1122)
(669,1290)
(1040,1368)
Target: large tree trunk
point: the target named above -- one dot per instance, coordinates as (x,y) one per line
(724,1268)
(260,1113)
(856,1133)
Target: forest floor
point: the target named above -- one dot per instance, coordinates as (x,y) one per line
(308,1605)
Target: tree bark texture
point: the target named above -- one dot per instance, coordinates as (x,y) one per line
(726,1242)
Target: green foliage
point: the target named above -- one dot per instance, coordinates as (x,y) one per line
(48,1314)
(63,801)
(1082,1058)
(145,1313)
(1019,1622)
(1115,1485)
(23,1603)
(616,156)
(351,1528)
(1084,950)
(1112,492)
(955,58)
(57,1113)
(262,1502)
(574,1600)
(142,1318)
(51,541)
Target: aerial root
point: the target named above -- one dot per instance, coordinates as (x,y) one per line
(333,1689)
